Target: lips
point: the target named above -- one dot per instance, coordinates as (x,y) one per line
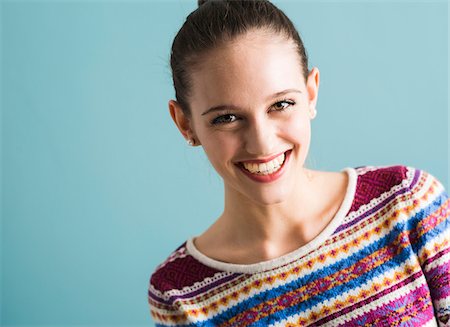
(257,161)
(269,177)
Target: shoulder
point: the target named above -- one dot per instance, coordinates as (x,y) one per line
(177,277)
(383,176)
(392,175)
(374,183)
(381,182)
(179,271)
(427,205)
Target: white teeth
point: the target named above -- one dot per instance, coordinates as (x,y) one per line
(263,167)
(267,167)
(280,159)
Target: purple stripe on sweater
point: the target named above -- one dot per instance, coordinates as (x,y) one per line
(207,287)
(194,293)
(370,212)
(438,279)
(381,205)
(415,179)
(441,293)
(412,309)
(157,298)
(368,300)
(436,257)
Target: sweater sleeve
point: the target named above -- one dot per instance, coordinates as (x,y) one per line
(162,310)
(430,231)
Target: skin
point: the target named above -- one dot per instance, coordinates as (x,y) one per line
(260,221)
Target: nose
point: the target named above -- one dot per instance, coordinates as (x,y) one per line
(260,137)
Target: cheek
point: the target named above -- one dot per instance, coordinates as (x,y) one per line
(298,129)
(220,148)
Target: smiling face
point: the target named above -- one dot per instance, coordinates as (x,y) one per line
(249,104)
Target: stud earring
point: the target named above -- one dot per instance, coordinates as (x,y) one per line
(313,113)
(191,142)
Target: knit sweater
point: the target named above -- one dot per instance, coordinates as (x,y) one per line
(383,260)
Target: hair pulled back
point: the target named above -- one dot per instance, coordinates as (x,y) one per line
(213,23)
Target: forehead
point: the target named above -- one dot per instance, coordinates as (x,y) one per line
(252,65)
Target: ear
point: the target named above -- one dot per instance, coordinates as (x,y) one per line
(180,119)
(312,86)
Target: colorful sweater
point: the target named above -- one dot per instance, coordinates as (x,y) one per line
(383,260)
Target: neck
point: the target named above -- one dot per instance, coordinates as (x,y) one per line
(250,221)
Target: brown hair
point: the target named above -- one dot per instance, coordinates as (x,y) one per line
(217,21)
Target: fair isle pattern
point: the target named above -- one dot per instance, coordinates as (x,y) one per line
(386,262)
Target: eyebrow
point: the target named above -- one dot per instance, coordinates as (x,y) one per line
(233,107)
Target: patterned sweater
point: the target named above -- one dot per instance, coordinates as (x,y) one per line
(383,260)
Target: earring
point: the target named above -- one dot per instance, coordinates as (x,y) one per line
(191,142)
(313,113)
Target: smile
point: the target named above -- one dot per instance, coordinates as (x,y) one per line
(265,168)
(265,172)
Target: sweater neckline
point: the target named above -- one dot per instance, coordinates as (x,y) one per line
(291,256)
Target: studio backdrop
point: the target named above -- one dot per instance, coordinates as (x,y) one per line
(98,185)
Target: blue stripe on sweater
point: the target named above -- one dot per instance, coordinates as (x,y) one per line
(340,265)
(440,228)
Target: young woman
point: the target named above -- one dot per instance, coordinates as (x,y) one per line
(365,246)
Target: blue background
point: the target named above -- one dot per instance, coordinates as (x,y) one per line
(98,186)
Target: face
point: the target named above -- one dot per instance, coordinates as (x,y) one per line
(249,104)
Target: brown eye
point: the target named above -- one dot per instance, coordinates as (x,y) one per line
(228,118)
(283,105)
